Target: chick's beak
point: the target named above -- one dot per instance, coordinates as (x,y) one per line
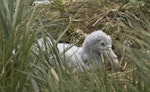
(112,57)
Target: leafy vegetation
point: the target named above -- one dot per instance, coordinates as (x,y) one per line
(23,70)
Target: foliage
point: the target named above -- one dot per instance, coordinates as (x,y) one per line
(24,70)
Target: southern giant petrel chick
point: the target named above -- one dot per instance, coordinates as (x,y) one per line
(94,46)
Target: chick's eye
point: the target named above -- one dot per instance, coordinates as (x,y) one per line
(102,44)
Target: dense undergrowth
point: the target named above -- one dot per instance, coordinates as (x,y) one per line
(23,70)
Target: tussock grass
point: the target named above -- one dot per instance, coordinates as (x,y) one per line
(24,70)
